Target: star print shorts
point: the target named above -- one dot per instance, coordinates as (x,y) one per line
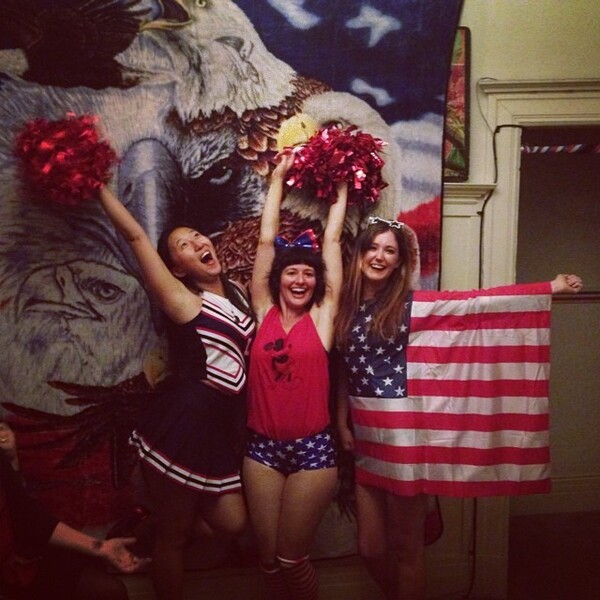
(290,456)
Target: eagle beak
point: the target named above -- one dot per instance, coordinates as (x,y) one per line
(173,15)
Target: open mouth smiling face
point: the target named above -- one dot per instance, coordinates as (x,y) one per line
(189,248)
(381,258)
(297,284)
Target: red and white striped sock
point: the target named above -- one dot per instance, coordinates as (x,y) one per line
(301,578)
(276,582)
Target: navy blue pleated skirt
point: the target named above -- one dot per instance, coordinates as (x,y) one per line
(194,434)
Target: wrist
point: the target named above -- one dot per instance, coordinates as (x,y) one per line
(97,547)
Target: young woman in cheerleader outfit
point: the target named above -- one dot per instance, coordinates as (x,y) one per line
(190,440)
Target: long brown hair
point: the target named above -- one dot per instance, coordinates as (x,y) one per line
(390,300)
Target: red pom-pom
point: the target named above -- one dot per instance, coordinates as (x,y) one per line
(64,160)
(334,155)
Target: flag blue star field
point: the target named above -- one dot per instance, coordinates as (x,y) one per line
(456,403)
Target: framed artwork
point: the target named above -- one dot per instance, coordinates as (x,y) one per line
(456,127)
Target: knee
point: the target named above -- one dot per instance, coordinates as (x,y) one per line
(235,525)
(371,549)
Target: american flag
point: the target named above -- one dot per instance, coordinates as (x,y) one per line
(457,403)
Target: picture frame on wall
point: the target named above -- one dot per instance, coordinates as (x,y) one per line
(456,123)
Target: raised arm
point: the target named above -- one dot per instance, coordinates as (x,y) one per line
(269,227)
(166,289)
(332,246)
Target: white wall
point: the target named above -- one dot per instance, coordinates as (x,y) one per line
(528,39)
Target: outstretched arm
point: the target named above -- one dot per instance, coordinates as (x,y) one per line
(325,313)
(167,290)
(566,284)
(269,227)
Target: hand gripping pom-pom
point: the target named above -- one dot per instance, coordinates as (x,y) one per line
(334,155)
(64,161)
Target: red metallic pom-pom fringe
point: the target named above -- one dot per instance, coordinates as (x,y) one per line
(64,161)
(334,155)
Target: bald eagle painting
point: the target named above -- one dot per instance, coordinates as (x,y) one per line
(191,95)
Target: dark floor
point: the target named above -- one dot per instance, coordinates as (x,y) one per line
(551,557)
(554,557)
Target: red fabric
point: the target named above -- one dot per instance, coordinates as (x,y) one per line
(288,384)
(474,421)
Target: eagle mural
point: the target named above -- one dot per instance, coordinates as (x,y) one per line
(191,94)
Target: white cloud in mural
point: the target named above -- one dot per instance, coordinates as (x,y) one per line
(380,95)
(295,13)
(373,19)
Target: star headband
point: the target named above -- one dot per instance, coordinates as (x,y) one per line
(307,239)
(395,224)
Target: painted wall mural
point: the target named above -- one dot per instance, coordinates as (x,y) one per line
(191,95)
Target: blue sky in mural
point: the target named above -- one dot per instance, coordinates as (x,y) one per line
(388,52)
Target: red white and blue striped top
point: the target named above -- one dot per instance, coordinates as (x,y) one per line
(214,345)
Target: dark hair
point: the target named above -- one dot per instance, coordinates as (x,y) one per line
(162,246)
(232,292)
(284,257)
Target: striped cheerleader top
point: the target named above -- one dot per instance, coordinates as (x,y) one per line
(214,345)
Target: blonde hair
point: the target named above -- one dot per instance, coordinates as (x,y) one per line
(390,300)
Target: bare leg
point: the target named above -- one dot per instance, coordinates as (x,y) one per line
(285,512)
(174,507)
(406,518)
(264,490)
(372,539)
(306,496)
(223,515)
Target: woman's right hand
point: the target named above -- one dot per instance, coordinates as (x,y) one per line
(346,438)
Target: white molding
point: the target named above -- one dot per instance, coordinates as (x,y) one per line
(454,192)
(522,103)
(519,103)
(536,86)
(461,232)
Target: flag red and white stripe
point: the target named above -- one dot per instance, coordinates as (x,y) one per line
(474,421)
